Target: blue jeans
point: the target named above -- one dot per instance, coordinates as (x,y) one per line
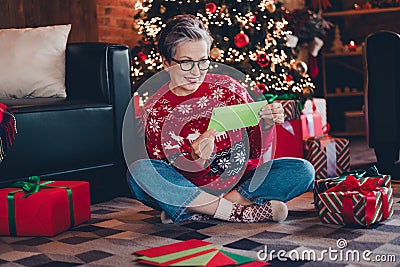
(160,186)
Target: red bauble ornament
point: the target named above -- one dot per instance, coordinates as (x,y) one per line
(211,7)
(252,18)
(241,40)
(289,78)
(367,5)
(142,56)
(263,60)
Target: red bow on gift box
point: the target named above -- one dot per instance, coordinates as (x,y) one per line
(352,186)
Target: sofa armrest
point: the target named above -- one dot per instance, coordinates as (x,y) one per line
(101,72)
(96,70)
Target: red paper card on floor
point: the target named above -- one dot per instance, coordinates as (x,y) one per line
(170,262)
(172,248)
(220,259)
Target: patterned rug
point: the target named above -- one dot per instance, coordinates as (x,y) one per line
(123,225)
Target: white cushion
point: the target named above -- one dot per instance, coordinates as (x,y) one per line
(32,62)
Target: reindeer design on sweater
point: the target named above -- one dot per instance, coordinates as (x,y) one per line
(193,136)
(177,138)
(156,152)
(168,145)
(221,135)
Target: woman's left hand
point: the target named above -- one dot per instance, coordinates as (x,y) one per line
(272,114)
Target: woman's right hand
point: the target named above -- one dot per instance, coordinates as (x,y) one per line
(203,146)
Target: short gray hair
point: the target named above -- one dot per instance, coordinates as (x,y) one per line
(182,29)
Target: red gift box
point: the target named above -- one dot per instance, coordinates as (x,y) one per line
(289,140)
(311,124)
(56,207)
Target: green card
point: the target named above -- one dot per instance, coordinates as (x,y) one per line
(236,116)
(197,261)
(238,258)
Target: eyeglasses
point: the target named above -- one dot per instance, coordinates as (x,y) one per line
(187,65)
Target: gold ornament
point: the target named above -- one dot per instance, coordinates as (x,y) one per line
(215,53)
(301,67)
(162,9)
(271,7)
(308,92)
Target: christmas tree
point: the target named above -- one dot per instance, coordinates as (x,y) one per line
(250,36)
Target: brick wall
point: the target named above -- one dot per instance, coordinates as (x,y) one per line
(115,19)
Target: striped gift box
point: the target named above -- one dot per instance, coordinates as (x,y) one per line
(292,109)
(330,156)
(331,207)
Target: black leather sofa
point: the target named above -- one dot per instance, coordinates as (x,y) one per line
(78,138)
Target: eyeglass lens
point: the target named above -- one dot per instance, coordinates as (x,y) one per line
(189,64)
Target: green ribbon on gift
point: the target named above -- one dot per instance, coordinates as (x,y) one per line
(287,96)
(30,187)
(360,173)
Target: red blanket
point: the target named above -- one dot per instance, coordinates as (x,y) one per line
(8,129)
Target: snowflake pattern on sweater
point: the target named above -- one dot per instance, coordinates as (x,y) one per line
(173,122)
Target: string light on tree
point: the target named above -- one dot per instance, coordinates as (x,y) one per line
(271,7)
(163,9)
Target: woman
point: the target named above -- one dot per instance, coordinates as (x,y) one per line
(194,173)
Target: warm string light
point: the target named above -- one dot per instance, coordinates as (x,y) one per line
(138,5)
(263,4)
(151,27)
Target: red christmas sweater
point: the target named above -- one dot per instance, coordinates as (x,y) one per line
(173,122)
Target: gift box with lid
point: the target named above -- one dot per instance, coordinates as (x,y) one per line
(316,105)
(292,109)
(356,202)
(311,124)
(43,208)
(313,119)
(321,185)
(330,156)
